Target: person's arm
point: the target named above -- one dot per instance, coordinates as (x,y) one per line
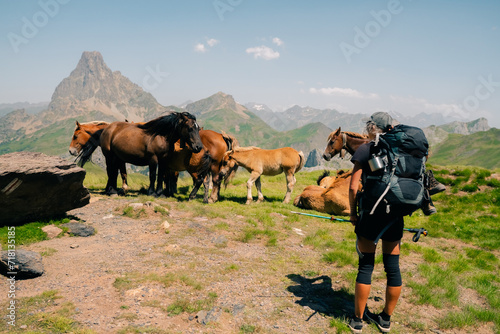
(353,190)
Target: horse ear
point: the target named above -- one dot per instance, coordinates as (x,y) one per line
(77,124)
(338,131)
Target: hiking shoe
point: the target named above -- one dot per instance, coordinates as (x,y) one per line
(356,325)
(428,209)
(434,186)
(383,325)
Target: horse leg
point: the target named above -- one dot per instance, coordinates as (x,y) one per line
(152,178)
(206,186)
(216,181)
(123,174)
(253,177)
(290,182)
(169,183)
(161,175)
(197,181)
(112,171)
(260,196)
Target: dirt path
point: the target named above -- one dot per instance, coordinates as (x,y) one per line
(130,273)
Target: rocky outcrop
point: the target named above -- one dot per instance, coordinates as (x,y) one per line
(36,186)
(21,264)
(313,159)
(93,86)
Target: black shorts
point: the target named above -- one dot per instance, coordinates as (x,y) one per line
(370,226)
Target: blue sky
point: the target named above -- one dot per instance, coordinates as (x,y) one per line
(407,56)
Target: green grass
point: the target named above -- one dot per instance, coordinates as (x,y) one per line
(44,314)
(29,233)
(460,252)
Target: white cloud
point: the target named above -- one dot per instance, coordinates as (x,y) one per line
(278,41)
(200,48)
(263,52)
(346,92)
(212,42)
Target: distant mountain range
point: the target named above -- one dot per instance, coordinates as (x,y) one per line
(93,92)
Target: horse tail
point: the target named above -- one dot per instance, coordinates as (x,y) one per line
(322,176)
(89,148)
(230,140)
(302,161)
(206,164)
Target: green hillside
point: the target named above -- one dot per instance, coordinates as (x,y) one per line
(53,139)
(479,149)
(248,131)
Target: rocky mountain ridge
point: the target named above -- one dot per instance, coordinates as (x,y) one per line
(93,92)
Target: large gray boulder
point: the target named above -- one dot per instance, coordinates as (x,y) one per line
(21,264)
(36,186)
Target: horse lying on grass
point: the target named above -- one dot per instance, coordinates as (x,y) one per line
(144,144)
(259,162)
(333,200)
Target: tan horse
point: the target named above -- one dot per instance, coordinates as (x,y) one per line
(333,200)
(259,162)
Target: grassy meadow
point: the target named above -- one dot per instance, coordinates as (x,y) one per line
(451,275)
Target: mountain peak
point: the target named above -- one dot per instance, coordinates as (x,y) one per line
(93,86)
(91,62)
(217,101)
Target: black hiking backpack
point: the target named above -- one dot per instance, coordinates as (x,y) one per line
(398,186)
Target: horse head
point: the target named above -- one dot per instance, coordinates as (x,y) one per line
(85,132)
(189,131)
(334,145)
(228,168)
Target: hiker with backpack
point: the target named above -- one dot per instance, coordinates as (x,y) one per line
(391,168)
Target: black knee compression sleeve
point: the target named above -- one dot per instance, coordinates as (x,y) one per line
(391,266)
(365,268)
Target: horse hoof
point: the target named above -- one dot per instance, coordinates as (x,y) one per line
(248,202)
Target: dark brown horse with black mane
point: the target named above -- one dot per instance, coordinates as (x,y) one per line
(146,144)
(341,141)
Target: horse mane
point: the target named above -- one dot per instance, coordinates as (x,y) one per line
(247,148)
(163,125)
(322,176)
(97,123)
(344,174)
(89,148)
(349,133)
(355,134)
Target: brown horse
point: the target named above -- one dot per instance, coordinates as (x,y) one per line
(259,162)
(201,164)
(146,144)
(341,141)
(91,132)
(333,200)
